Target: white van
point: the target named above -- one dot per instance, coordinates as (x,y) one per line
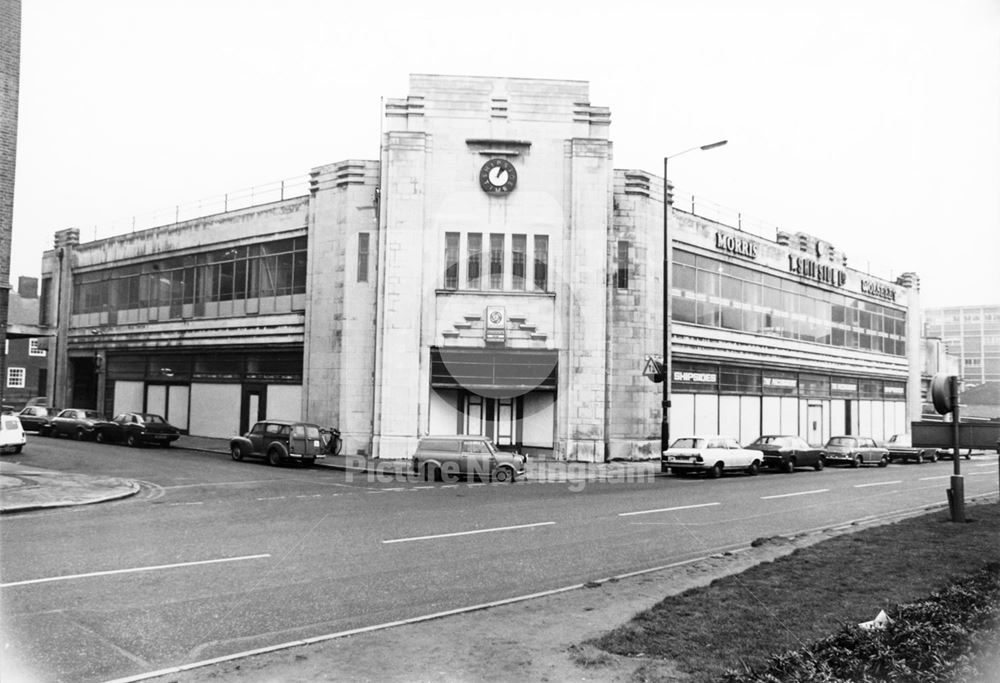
(12,438)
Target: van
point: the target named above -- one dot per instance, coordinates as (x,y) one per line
(446,458)
(12,438)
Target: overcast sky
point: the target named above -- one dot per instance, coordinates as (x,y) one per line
(874,125)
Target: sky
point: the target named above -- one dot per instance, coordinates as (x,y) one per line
(871,124)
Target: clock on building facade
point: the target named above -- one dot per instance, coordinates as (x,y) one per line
(497,176)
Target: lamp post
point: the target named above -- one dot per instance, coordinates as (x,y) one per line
(667,366)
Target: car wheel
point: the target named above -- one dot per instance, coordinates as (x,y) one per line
(819,464)
(754,469)
(716,471)
(99,437)
(274,457)
(856,462)
(235,453)
(883,461)
(788,466)
(432,473)
(78,434)
(131,441)
(933,457)
(503,475)
(18,447)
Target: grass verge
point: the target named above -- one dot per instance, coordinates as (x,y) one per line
(738,622)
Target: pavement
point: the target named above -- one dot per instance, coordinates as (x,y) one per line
(24,487)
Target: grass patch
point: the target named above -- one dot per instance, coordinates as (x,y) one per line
(738,622)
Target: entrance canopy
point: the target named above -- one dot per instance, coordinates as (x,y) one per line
(494,373)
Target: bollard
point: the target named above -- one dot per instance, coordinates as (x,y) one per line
(956,499)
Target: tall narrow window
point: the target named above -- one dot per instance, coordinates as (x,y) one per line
(518,260)
(451,260)
(622,264)
(362,257)
(475,266)
(496,261)
(541,262)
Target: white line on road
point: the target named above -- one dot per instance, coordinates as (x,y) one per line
(467,533)
(273,498)
(135,569)
(683,507)
(800,493)
(943,476)
(171,505)
(878,483)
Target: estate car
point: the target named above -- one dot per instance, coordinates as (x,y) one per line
(855,451)
(446,457)
(280,441)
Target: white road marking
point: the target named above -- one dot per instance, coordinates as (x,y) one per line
(683,507)
(171,505)
(69,577)
(800,493)
(273,498)
(878,483)
(467,533)
(943,476)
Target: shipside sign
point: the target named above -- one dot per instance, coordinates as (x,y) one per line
(736,245)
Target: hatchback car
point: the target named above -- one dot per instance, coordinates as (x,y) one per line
(447,457)
(280,441)
(711,455)
(12,438)
(136,429)
(75,422)
(37,418)
(855,451)
(786,452)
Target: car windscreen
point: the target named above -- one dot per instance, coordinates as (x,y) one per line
(841,441)
(688,443)
(92,415)
(149,418)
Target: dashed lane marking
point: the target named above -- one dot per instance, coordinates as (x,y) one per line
(799,493)
(683,507)
(177,565)
(467,533)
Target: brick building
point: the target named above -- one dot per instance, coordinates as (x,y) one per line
(491,273)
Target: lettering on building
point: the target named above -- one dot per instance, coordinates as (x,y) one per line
(694,376)
(736,245)
(879,289)
(780,382)
(843,386)
(821,272)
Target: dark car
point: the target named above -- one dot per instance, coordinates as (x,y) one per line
(136,429)
(75,422)
(855,451)
(443,458)
(281,441)
(786,452)
(37,418)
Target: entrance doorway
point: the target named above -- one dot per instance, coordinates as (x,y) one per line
(496,418)
(814,428)
(253,405)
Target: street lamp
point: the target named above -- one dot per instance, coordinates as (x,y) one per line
(667,366)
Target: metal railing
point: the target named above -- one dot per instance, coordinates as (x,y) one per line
(255,195)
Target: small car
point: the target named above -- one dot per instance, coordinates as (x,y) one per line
(136,429)
(855,451)
(443,458)
(12,438)
(786,452)
(280,441)
(75,422)
(37,418)
(901,448)
(712,455)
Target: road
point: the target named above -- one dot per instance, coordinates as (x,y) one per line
(216,557)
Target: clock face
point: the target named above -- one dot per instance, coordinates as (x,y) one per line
(497,176)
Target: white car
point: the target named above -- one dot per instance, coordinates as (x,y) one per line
(710,454)
(12,437)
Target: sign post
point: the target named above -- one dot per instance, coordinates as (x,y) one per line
(944,394)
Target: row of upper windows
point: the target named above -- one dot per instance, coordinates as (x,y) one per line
(496,261)
(714,293)
(261,270)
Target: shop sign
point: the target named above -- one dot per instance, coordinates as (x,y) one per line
(702,377)
(496,324)
(821,272)
(846,387)
(879,289)
(893,391)
(782,382)
(736,245)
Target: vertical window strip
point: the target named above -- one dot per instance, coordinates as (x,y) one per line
(496,260)
(623,264)
(541,275)
(475,264)
(518,260)
(451,260)
(362,257)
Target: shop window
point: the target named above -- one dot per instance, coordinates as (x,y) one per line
(683,277)
(683,310)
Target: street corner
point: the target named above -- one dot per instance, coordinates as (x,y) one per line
(30,488)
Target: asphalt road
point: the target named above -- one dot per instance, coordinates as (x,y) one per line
(216,557)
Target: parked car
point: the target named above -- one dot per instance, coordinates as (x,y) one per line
(712,455)
(446,457)
(280,441)
(901,448)
(75,422)
(136,429)
(12,438)
(949,453)
(786,452)
(855,451)
(37,418)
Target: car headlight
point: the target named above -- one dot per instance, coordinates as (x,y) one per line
(697,458)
